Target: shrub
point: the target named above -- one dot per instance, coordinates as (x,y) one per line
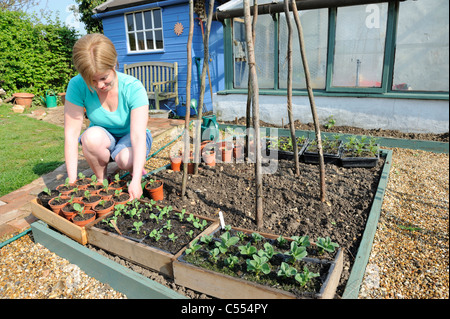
(35,57)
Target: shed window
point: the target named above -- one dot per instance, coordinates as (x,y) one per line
(144,31)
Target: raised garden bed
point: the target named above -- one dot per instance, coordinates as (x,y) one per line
(144,237)
(238,263)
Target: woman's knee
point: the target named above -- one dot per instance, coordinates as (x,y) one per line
(95,139)
(124,159)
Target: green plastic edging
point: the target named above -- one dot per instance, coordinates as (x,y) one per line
(365,247)
(120,278)
(430,146)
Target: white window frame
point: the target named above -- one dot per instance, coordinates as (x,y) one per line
(144,30)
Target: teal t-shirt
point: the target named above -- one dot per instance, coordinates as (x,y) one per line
(132,94)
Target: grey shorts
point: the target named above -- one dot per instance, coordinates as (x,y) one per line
(119,143)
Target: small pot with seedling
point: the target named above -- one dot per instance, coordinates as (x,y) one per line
(58,202)
(46,195)
(90,199)
(82,182)
(120,197)
(155,189)
(106,192)
(103,207)
(83,216)
(118,183)
(66,188)
(70,209)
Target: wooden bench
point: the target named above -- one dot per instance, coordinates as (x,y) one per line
(160,79)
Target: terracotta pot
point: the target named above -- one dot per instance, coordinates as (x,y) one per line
(68,213)
(89,205)
(209,158)
(56,208)
(237,151)
(88,217)
(101,211)
(175,164)
(44,198)
(227,154)
(24,99)
(107,195)
(155,190)
(94,188)
(124,201)
(65,190)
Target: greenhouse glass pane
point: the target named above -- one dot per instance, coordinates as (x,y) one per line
(315,32)
(421,56)
(359,48)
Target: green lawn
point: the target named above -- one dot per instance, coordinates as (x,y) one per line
(29,148)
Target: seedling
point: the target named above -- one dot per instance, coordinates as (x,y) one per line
(190,233)
(257,237)
(200,225)
(268,251)
(168,225)
(286,271)
(302,241)
(247,249)
(79,209)
(206,239)
(193,247)
(155,234)
(181,215)
(297,252)
(258,265)
(47,191)
(214,254)
(226,241)
(231,261)
(305,276)
(172,237)
(325,244)
(282,241)
(137,226)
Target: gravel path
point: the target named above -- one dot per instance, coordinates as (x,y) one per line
(409,258)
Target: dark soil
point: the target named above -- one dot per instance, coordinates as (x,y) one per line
(443,137)
(291,205)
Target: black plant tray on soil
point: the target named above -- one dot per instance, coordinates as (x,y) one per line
(311,157)
(200,272)
(139,246)
(283,154)
(359,161)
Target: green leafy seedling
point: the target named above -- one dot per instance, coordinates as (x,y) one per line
(193,247)
(231,261)
(325,244)
(226,241)
(137,226)
(286,270)
(257,265)
(296,252)
(247,249)
(304,277)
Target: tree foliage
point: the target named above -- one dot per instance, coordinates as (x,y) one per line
(35,57)
(85,8)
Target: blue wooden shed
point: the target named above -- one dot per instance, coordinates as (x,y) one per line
(149,31)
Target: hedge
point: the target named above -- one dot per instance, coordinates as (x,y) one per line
(34,57)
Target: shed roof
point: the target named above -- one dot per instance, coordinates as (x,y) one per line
(112,5)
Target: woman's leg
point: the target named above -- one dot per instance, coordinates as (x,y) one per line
(95,144)
(123,152)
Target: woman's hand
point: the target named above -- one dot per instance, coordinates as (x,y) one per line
(135,188)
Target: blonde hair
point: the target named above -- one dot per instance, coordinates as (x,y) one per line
(93,53)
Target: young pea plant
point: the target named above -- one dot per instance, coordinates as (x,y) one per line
(231,261)
(206,239)
(172,237)
(193,247)
(286,271)
(296,253)
(155,234)
(302,240)
(200,224)
(190,233)
(214,254)
(137,226)
(304,277)
(226,241)
(247,250)
(258,265)
(181,215)
(168,225)
(325,244)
